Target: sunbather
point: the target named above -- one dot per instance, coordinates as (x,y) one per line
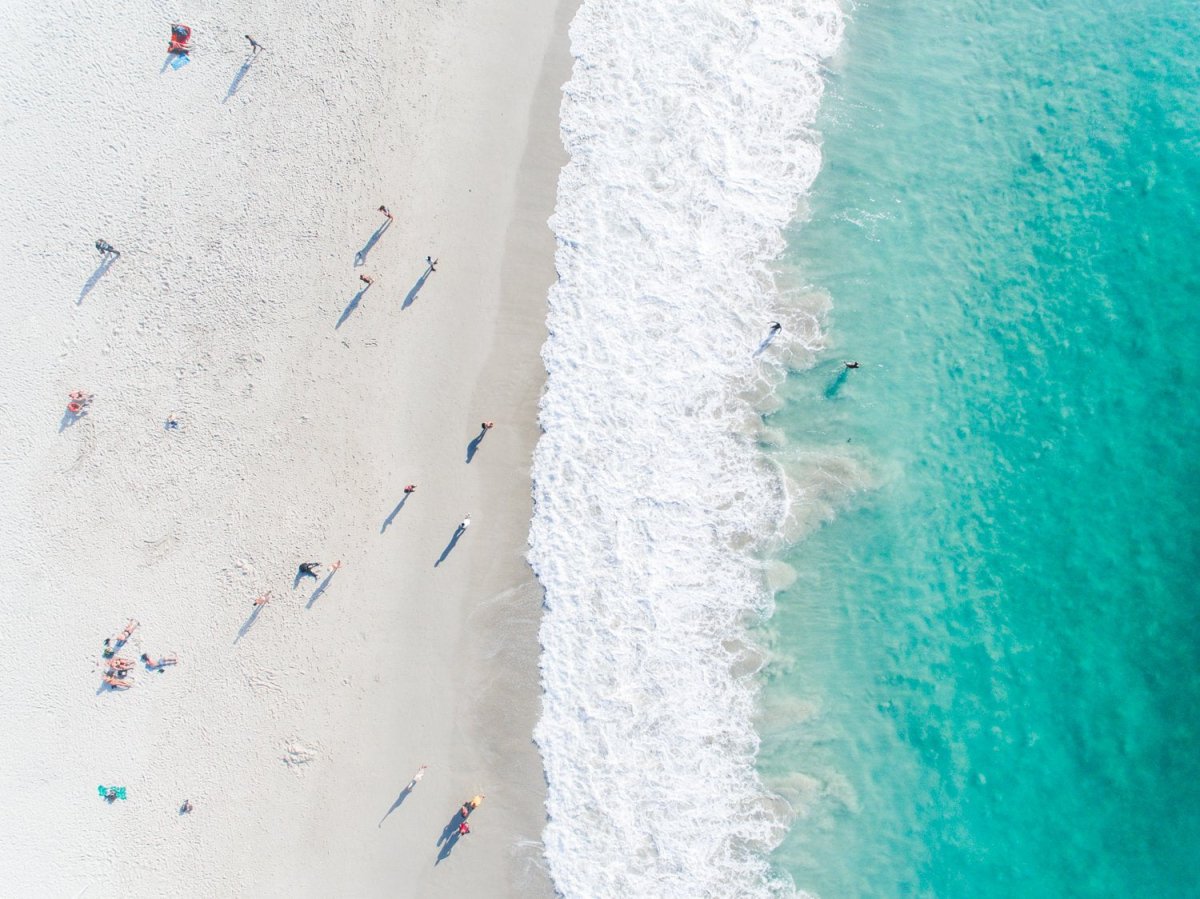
(119,664)
(159,663)
(118,683)
(128,632)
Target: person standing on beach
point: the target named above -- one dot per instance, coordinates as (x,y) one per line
(410,488)
(255,46)
(388,215)
(263,600)
(463,829)
(104,248)
(366,279)
(487,426)
(432,263)
(465,523)
(416,778)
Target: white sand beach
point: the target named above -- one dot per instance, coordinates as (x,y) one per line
(238,192)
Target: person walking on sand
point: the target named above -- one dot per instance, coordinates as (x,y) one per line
(262,600)
(463,829)
(366,279)
(432,263)
(335,567)
(255,46)
(465,523)
(186,808)
(416,778)
(388,215)
(104,248)
(487,425)
(309,569)
(475,800)
(410,488)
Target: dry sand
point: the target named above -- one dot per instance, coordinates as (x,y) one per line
(239,196)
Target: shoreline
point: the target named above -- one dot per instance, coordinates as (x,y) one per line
(302,416)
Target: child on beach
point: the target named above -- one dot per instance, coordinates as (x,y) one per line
(78,401)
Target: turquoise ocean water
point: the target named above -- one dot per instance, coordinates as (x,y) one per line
(985,676)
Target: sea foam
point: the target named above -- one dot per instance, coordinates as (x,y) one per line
(689,132)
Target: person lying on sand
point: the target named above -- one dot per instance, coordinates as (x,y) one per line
(127,633)
(120,664)
(159,664)
(118,683)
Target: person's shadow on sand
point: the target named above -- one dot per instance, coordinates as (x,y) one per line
(449,838)
(321,588)
(350,307)
(404,794)
(361,256)
(458,532)
(236,84)
(91,282)
(68,419)
(416,289)
(387,522)
(473,446)
(245,628)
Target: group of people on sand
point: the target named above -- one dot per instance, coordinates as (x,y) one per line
(117,668)
(467,807)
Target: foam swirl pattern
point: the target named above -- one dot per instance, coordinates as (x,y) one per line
(689,132)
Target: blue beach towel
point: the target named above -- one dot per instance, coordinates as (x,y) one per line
(180,60)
